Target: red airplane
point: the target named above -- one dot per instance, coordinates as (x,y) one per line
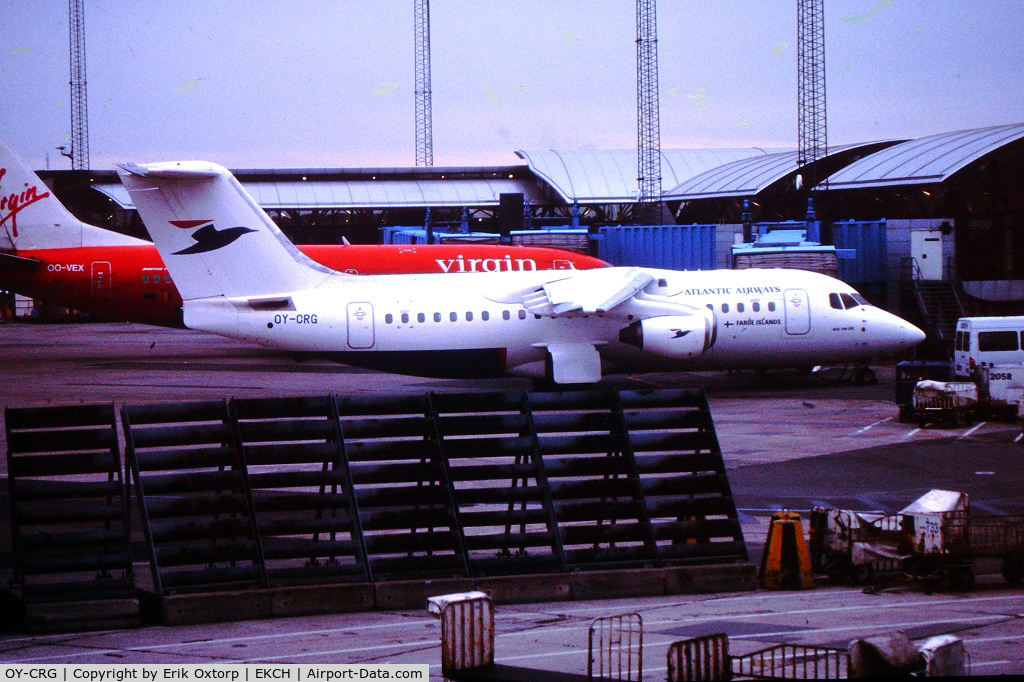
(49,255)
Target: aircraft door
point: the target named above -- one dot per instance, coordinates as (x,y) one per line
(360,325)
(100,277)
(798,311)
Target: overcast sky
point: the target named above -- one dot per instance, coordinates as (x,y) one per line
(282,83)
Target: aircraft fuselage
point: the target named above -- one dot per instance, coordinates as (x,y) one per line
(735,318)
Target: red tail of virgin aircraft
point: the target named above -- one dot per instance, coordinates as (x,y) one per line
(49,255)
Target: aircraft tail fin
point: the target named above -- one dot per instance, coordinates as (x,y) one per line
(31,217)
(213,237)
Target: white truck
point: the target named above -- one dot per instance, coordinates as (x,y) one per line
(985,342)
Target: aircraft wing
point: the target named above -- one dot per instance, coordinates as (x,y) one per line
(586,291)
(13,260)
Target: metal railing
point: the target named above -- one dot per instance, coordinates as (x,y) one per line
(615,648)
(793,662)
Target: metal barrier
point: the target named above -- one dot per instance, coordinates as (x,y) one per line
(280,492)
(194,497)
(700,659)
(615,648)
(794,662)
(301,485)
(69,515)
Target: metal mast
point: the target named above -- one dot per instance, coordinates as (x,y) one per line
(813,138)
(79,106)
(424,117)
(648,207)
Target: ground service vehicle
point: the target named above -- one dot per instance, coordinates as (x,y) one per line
(986,341)
(935,538)
(955,402)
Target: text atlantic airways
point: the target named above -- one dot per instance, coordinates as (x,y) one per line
(49,255)
(565,327)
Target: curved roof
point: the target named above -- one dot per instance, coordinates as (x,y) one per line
(744,177)
(611,176)
(925,160)
(747,177)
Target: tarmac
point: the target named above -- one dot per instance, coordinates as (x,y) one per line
(790,441)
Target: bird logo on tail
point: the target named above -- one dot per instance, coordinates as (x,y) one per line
(208,238)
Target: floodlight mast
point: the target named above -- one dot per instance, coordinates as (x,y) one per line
(813,137)
(648,207)
(79,105)
(424,116)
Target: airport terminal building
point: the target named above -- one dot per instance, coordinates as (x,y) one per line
(947,208)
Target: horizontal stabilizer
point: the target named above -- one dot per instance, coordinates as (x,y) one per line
(177,169)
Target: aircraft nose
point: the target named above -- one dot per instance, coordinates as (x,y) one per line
(912,335)
(898,334)
(904,334)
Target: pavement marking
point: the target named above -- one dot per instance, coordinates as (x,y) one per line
(970,431)
(871,426)
(912,433)
(782,633)
(223,640)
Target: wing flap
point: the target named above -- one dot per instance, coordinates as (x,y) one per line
(586,291)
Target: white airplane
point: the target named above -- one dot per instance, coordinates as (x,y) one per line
(240,277)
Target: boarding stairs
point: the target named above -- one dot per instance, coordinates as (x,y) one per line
(941,302)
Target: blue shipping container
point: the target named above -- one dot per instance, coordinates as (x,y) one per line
(671,247)
(418,235)
(868,239)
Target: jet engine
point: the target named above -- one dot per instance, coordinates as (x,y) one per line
(673,336)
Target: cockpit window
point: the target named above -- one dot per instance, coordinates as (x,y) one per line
(846,301)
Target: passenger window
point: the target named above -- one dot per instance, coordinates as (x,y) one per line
(469,316)
(145,279)
(421,318)
(849,301)
(522,314)
(833,300)
(771,306)
(756,307)
(725,307)
(996,341)
(437,317)
(389,318)
(454,317)
(739,307)
(506,315)
(405,318)
(485,316)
